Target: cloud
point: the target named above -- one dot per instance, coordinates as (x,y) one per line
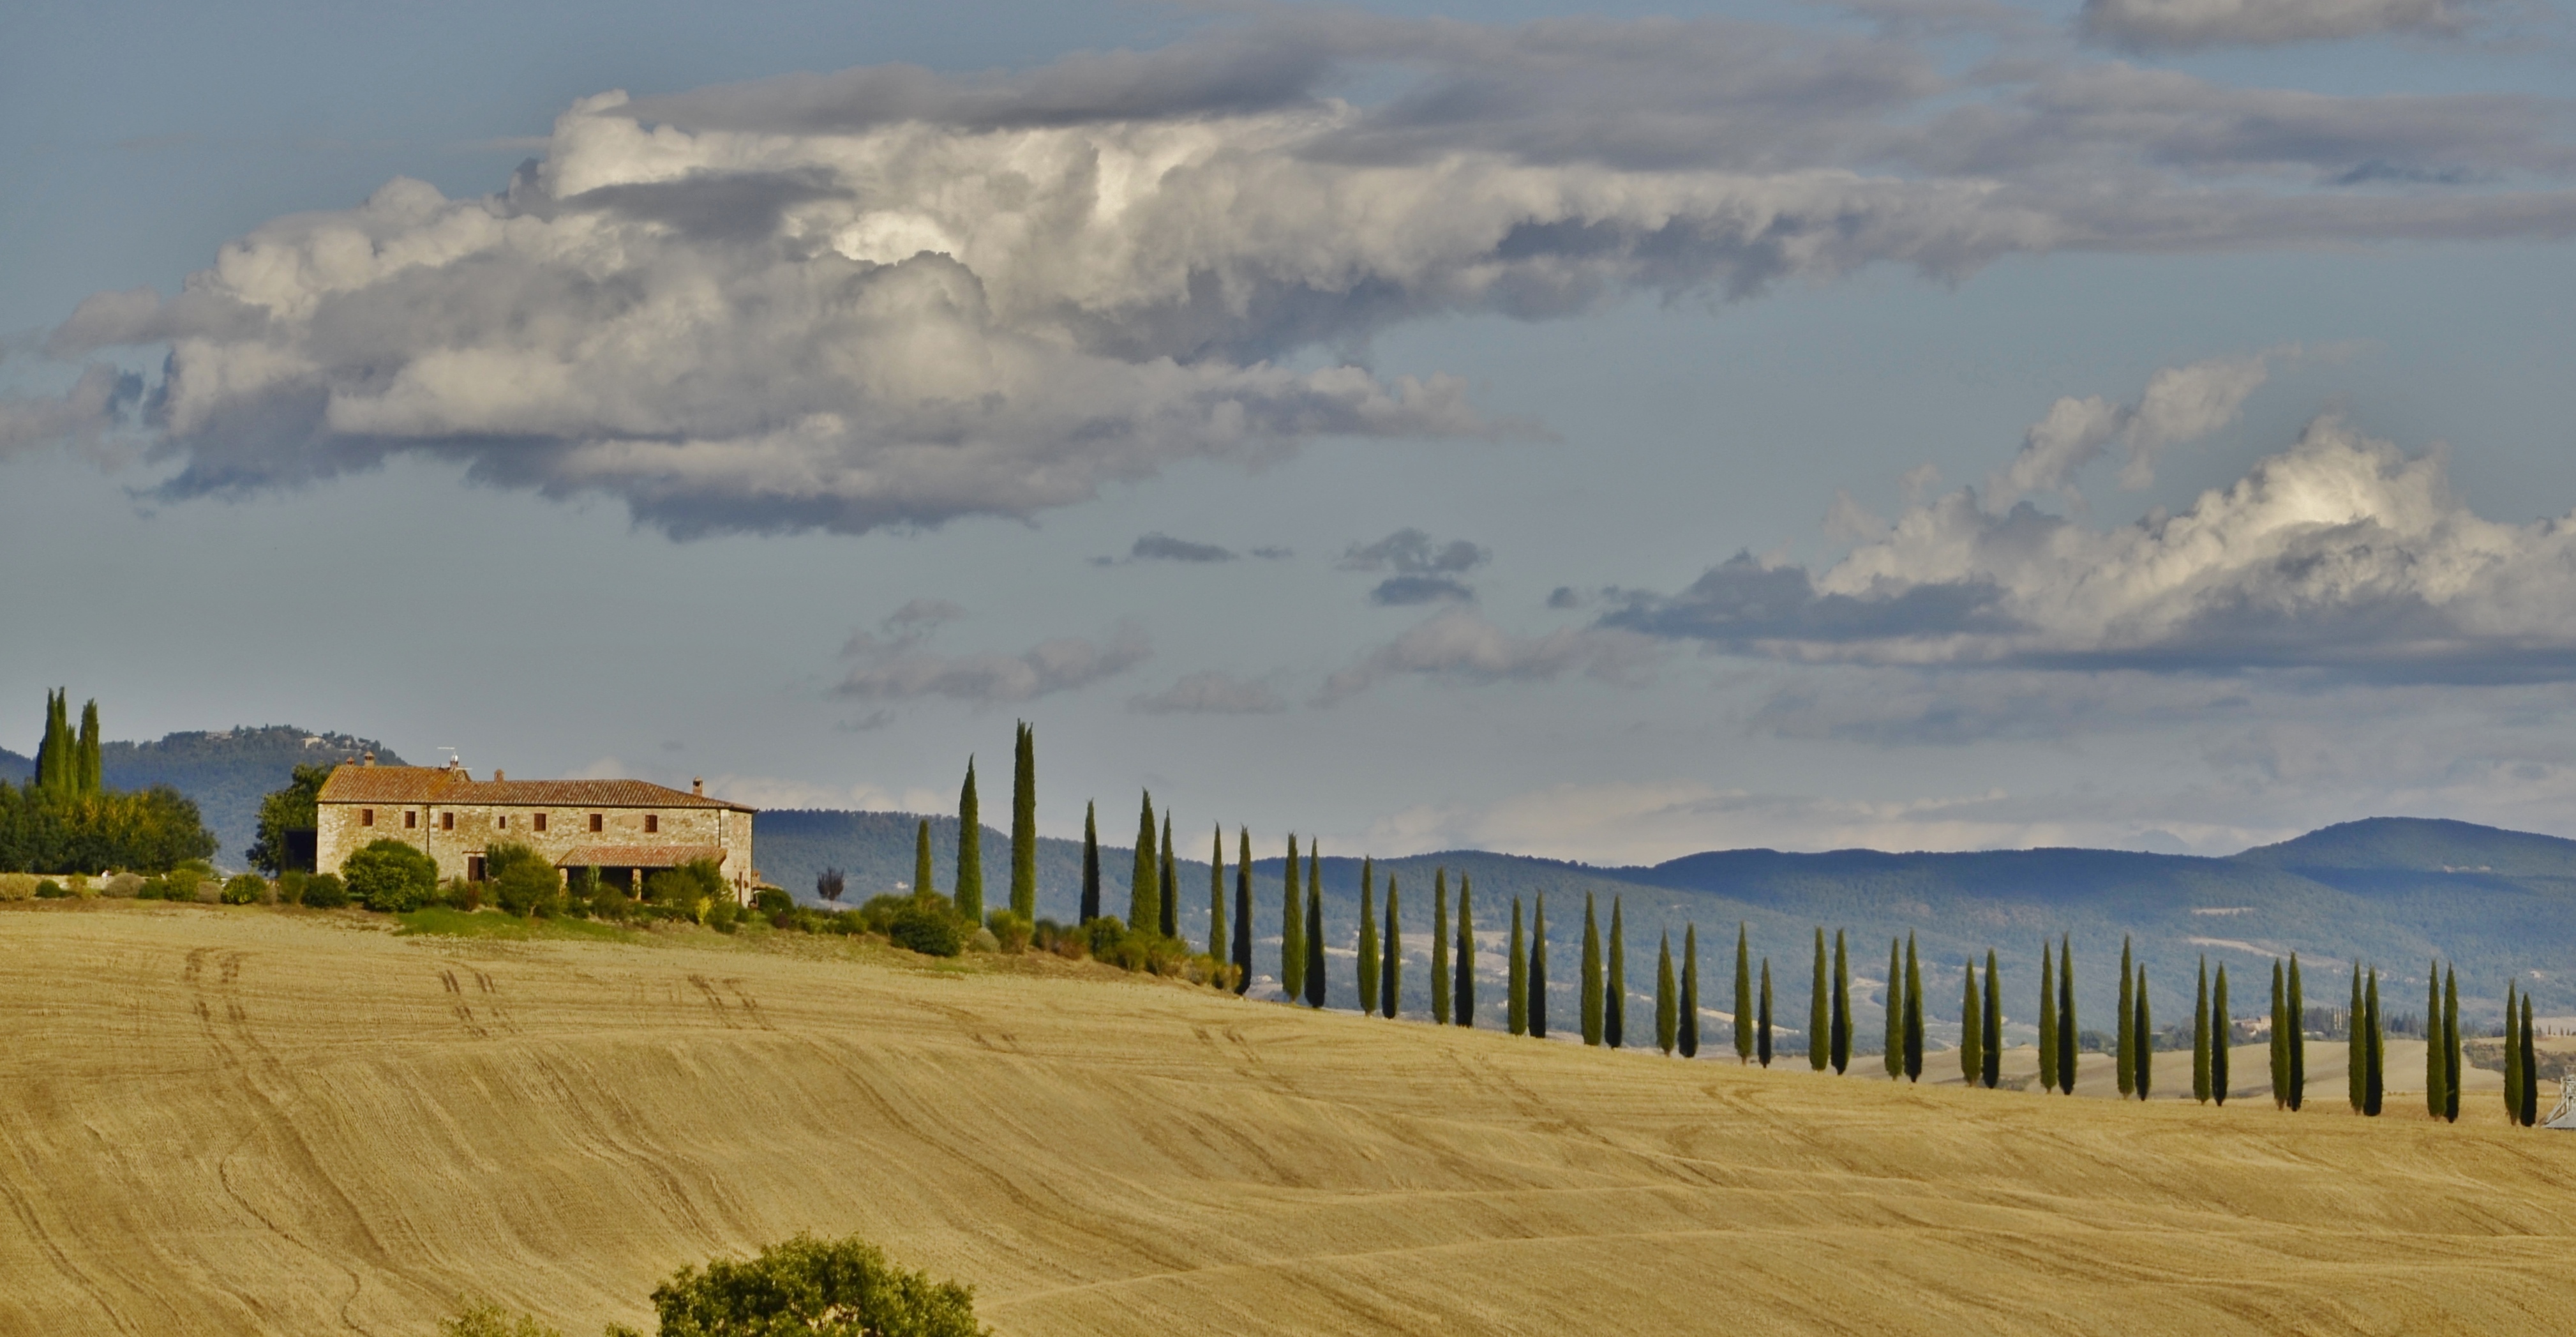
(1426,571)
(95,405)
(900,670)
(1459,646)
(1211,692)
(2186,24)
(2180,404)
(2341,552)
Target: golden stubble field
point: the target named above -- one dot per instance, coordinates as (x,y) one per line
(242,1121)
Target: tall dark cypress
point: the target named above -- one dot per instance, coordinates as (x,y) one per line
(2127,1055)
(1292,929)
(1914,1012)
(2530,1064)
(1892,1049)
(1820,1013)
(1516,988)
(1024,827)
(2224,1032)
(1667,1008)
(2356,1049)
(2067,1035)
(1689,1023)
(1090,862)
(1462,990)
(92,776)
(1614,984)
(2298,1042)
(1314,923)
(1390,989)
(2436,1073)
(970,851)
(1242,909)
(1842,1035)
(1439,946)
(2374,1052)
(2280,1039)
(1994,1037)
(1167,897)
(54,764)
(2451,1046)
(2200,1033)
(2143,1039)
(1743,994)
(1366,970)
(1762,1019)
(1145,880)
(1538,968)
(921,874)
(1220,942)
(1972,1035)
(2047,1017)
(1591,977)
(2512,1058)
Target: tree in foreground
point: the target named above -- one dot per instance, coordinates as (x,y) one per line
(2226,1031)
(1167,897)
(1242,908)
(1667,1008)
(1538,969)
(1292,929)
(2529,1061)
(1024,827)
(831,1288)
(1614,983)
(2437,1073)
(1591,977)
(1439,946)
(1516,987)
(1689,1040)
(1743,993)
(1972,1054)
(1462,990)
(2047,1017)
(2126,1042)
(1390,988)
(2451,1046)
(1762,1019)
(921,873)
(1090,862)
(282,810)
(2200,1034)
(2374,1052)
(1145,876)
(1315,923)
(2066,1032)
(970,853)
(1820,1013)
(2280,1039)
(1892,1053)
(2298,1041)
(2143,1042)
(2512,1058)
(1220,942)
(1842,1029)
(1994,1021)
(2356,1051)
(1367,968)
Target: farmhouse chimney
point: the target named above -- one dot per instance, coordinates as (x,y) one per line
(368,760)
(497,776)
(698,787)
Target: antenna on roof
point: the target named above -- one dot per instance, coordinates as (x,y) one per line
(453,760)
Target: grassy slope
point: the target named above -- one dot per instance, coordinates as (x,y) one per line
(245,1121)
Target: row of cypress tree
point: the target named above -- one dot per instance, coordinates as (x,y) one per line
(68,766)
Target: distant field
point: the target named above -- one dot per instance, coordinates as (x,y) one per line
(235,1120)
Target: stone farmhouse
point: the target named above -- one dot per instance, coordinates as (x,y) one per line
(623,828)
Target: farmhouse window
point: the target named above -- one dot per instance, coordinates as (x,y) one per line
(652,823)
(410,819)
(594,821)
(366,817)
(474,868)
(541,821)
(447,821)
(502,821)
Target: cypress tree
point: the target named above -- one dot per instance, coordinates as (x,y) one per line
(1440,947)
(1242,909)
(93,775)
(2127,1054)
(2451,1047)
(2437,1074)
(53,748)
(1292,930)
(1614,984)
(1390,990)
(1667,1011)
(970,852)
(1892,1056)
(1367,971)
(1994,1036)
(1842,1034)
(2200,1034)
(1024,828)
(1743,994)
(921,883)
(2144,1043)
(1167,898)
(2047,1017)
(1591,978)
(1462,991)
(1090,862)
(2280,1040)
(1914,1011)
(2356,1050)
(2530,1065)
(2298,1042)
(2512,1059)
(1690,992)
(1516,992)
(1820,1013)
(1315,923)
(1762,1020)
(1972,1053)
(2067,1035)
(2375,1052)
(1145,880)
(2224,1032)
(1538,968)
(1220,942)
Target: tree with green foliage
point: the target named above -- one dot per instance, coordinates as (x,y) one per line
(2437,1074)
(1516,990)
(921,871)
(1220,942)
(1242,909)
(1762,1019)
(1689,1037)
(90,767)
(1292,928)
(970,851)
(1972,1053)
(1892,1049)
(1314,923)
(2451,1046)
(1167,895)
(1367,969)
(2142,1041)
(390,877)
(1842,1023)
(1090,862)
(1820,1013)
(1994,1025)
(1462,990)
(490,1320)
(828,1288)
(2200,1033)
(2067,1035)
(2356,1050)
(2529,1061)
(293,808)
(2375,1052)
(2298,1041)
(2512,1058)
(57,765)
(1024,826)
(2225,1032)
(1614,983)
(1145,877)
(1538,968)
(2047,1017)
(2280,1039)
(2126,1042)
(1439,946)
(1390,990)
(1743,992)
(1591,978)
(1667,1008)
(524,882)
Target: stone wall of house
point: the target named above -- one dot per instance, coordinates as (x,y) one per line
(451,833)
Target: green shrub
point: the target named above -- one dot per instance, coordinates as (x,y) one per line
(123,886)
(325,891)
(390,877)
(694,886)
(928,925)
(1010,930)
(246,889)
(833,1288)
(487,1320)
(50,890)
(722,914)
(523,882)
(772,901)
(152,889)
(182,882)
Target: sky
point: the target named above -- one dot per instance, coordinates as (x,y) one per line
(1603,433)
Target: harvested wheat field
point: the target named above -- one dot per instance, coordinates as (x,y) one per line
(238,1121)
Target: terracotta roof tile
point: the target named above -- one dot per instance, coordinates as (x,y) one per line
(637,856)
(352,783)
